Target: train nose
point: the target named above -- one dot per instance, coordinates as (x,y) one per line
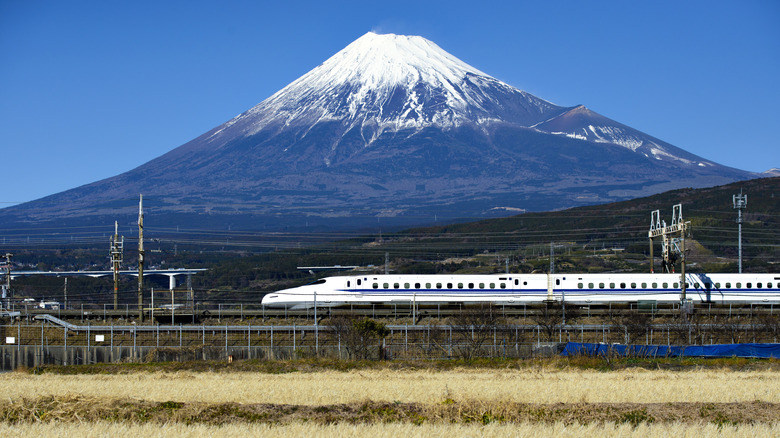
(271,300)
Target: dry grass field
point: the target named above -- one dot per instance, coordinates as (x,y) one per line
(533,385)
(558,430)
(534,401)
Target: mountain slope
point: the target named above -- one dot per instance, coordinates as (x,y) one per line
(390,127)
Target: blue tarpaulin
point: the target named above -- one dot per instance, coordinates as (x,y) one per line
(718,350)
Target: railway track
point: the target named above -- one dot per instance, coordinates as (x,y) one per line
(389,312)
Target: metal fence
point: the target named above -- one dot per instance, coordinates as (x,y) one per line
(54,341)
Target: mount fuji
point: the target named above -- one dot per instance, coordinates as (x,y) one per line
(391,130)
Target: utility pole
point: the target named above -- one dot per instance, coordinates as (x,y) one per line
(117,246)
(7,285)
(740,203)
(141,259)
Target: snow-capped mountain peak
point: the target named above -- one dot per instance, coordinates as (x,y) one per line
(391,60)
(387,82)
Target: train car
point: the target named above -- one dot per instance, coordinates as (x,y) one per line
(527,288)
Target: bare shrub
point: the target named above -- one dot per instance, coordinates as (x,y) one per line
(633,324)
(360,336)
(552,316)
(770,327)
(732,328)
(472,328)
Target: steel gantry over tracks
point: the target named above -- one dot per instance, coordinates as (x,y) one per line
(672,246)
(170,273)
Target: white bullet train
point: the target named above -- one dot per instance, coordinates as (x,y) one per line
(513,289)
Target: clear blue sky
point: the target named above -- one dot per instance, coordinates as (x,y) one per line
(90,89)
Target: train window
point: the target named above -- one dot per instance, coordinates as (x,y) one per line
(676,285)
(376,285)
(427,285)
(739,285)
(406,285)
(665,285)
(359,282)
(417,285)
(321,281)
(449,285)
(438,285)
(622,285)
(503,285)
(579,285)
(707,286)
(633,285)
(644,285)
(749,285)
(601,285)
(717,285)
(769,285)
(655,285)
(492,285)
(460,285)
(758,285)
(386,285)
(347,283)
(728,285)
(471,285)
(482,285)
(396,286)
(517,282)
(590,285)
(557,281)
(612,285)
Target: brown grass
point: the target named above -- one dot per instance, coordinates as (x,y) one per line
(83,409)
(534,400)
(533,385)
(560,430)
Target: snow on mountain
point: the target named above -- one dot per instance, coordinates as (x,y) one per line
(392,82)
(388,83)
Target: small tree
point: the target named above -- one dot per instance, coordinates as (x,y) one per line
(472,327)
(358,335)
(678,329)
(551,317)
(732,328)
(632,323)
(770,327)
